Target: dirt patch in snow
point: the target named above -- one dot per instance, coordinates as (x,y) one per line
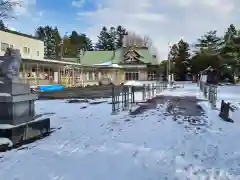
(183,110)
(185,106)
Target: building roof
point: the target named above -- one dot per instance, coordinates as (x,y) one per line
(21,34)
(99,57)
(96,57)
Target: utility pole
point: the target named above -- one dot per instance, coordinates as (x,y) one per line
(62,43)
(61,46)
(169,65)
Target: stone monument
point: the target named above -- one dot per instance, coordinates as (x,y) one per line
(18,121)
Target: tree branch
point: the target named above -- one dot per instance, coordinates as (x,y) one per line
(6,6)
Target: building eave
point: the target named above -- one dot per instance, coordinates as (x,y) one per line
(21,34)
(53,61)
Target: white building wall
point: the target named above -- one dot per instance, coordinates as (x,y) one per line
(30,48)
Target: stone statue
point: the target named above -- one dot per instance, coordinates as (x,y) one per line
(10,64)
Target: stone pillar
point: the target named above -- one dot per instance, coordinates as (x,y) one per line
(18,122)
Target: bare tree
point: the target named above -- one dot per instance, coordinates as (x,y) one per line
(147,41)
(133,39)
(6,7)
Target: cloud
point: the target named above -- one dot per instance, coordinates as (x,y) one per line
(24,8)
(78,3)
(162,20)
(27,17)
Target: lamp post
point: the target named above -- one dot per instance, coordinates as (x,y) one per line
(169,65)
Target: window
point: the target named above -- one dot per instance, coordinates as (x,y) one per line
(4,46)
(90,76)
(131,76)
(151,75)
(37,53)
(26,50)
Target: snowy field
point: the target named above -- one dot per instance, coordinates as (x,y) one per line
(92,144)
(229,93)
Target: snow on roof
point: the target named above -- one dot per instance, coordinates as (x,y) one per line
(104,64)
(116,66)
(108,64)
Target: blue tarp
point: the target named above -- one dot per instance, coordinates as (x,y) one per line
(51,88)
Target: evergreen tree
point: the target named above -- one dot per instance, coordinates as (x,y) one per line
(2,25)
(40,33)
(89,45)
(181,57)
(51,40)
(57,43)
(103,40)
(173,52)
(120,33)
(230,33)
(210,43)
(112,39)
(76,43)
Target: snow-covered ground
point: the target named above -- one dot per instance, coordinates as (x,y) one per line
(229,93)
(92,144)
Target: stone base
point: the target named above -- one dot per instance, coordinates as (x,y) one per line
(17,109)
(25,132)
(14,87)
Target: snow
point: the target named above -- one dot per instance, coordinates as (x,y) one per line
(105,64)
(93,144)
(6,126)
(116,66)
(6,141)
(109,64)
(229,93)
(133,83)
(5,94)
(41,117)
(33,86)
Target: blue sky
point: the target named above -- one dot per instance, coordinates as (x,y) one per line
(163,21)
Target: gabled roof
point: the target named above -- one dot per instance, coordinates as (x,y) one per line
(96,57)
(99,57)
(146,56)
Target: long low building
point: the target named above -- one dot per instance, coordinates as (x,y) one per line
(92,67)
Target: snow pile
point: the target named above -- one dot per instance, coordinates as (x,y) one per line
(134,108)
(5,94)
(133,83)
(6,141)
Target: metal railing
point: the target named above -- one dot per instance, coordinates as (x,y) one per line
(151,90)
(124,97)
(209,92)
